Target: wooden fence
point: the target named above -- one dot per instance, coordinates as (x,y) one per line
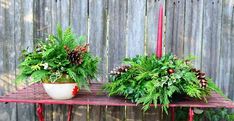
(116,29)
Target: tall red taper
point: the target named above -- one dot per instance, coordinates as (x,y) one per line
(160,31)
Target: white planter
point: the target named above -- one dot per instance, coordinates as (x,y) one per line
(61,91)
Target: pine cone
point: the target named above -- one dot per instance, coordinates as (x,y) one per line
(201,77)
(119,70)
(76,56)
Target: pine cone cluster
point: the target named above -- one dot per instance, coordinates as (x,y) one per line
(201,77)
(76,56)
(119,70)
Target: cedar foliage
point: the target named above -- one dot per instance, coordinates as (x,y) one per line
(50,61)
(150,80)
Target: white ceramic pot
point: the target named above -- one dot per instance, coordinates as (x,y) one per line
(61,91)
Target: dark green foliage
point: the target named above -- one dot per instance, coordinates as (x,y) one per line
(206,114)
(49,61)
(151,81)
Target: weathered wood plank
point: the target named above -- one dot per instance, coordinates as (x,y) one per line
(64,14)
(225,47)
(136,24)
(175,27)
(97,33)
(79,17)
(196,39)
(215,40)
(9,54)
(54,12)
(79,113)
(117,32)
(231,89)
(45,18)
(178,36)
(169,26)
(59,113)
(115,113)
(219,39)
(189,7)
(207,37)
(134,113)
(7,112)
(2,33)
(97,113)
(152,24)
(152,114)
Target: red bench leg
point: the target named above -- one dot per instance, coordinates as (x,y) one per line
(40,112)
(191,114)
(69,112)
(172,113)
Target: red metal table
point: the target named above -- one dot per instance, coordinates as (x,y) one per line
(36,94)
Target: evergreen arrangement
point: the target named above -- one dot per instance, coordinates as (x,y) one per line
(148,80)
(61,58)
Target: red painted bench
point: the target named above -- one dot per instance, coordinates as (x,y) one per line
(36,94)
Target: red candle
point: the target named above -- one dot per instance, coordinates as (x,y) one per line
(159,37)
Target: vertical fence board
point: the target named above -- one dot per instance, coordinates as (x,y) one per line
(114,113)
(9,59)
(65,13)
(231,89)
(225,47)
(152,114)
(207,36)
(7,112)
(117,32)
(178,28)
(187,27)
(97,113)
(215,39)
(219,39)
(59,112)
(169,26)
(79,17)
(135,32)
(45,16)
(54,13)
(134,113)
(79,113)
(97,33)
(196,43)
(1,39)
(175,27)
